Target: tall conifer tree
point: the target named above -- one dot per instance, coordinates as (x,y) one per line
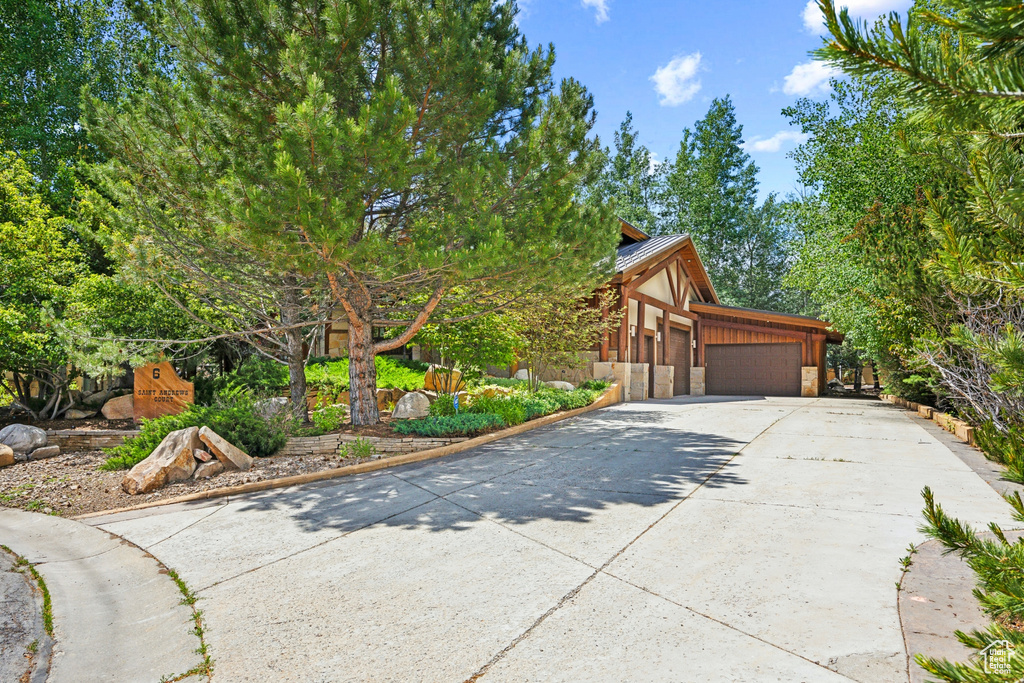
(411,153)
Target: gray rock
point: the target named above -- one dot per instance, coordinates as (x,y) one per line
(209,469)
(45,452)
(22,438)
(411,406)
(271,407)
(564,386)
(75,414)
(523,375)
(98,399)
(202,456)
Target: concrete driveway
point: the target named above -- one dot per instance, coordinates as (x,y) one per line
(684,540)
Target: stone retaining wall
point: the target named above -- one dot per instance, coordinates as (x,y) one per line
(958,428)
(72,440)
(331,444)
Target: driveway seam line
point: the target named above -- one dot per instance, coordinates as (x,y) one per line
(726,625)
(806,507)
(216,509)
(575,591)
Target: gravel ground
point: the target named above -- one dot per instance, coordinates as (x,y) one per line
(71,484)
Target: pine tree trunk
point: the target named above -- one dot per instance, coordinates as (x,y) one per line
(362,373)
(297,376)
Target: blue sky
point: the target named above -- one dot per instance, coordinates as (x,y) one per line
(665,60)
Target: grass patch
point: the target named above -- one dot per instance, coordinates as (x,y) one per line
(205,667)
(21,564)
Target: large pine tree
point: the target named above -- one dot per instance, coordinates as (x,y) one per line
(631,180)
(412,153)
(710,192)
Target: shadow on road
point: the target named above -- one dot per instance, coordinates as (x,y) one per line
(566,472)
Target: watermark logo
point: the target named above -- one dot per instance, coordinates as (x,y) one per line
(997,657)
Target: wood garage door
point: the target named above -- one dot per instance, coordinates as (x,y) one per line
(749,369)
(679,356)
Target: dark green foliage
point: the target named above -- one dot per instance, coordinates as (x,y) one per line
(628,181)
(539,405)
(594,385)
(443,406)
(463,424)
(511,408)
(1004,447)
(233,416)
(999,566)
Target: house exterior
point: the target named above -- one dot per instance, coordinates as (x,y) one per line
(677,338)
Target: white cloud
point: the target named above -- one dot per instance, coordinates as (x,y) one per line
(600,8)
(775,142)
(809,78)
(677,81)
(861,9)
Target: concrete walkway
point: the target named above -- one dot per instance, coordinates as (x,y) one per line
(684,540)
(117,616)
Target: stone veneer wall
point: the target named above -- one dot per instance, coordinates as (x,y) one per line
(72,440)
(331,444)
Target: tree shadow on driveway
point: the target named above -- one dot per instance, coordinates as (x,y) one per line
(567,472)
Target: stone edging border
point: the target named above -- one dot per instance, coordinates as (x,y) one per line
(611,396)
(957,427)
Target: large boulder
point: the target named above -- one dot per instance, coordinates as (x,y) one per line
(119,408)
(564,386)
(442,380)
(169,462)
(411,406)
(98,399)
(22,438)
(6,455)
(231,456)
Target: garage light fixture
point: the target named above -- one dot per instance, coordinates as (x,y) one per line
(632,330)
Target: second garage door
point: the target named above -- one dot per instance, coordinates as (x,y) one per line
(753,369)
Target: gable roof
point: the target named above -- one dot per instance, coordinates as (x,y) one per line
(634,257)
(634,254)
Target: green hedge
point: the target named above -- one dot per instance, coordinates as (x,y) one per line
(233,417)
(463,424)
(392,373)
(510,409)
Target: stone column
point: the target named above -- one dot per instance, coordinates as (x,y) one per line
(809,381)
(697,386)
(620,372)
(639,391)
(664,381)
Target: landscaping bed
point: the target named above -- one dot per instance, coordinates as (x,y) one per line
(77,483)
(72,484)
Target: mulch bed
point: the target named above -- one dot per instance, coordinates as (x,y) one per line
(92,424)
(71,484)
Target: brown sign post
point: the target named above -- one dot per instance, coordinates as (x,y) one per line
(159,391)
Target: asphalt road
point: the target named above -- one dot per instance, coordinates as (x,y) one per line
(684,540)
